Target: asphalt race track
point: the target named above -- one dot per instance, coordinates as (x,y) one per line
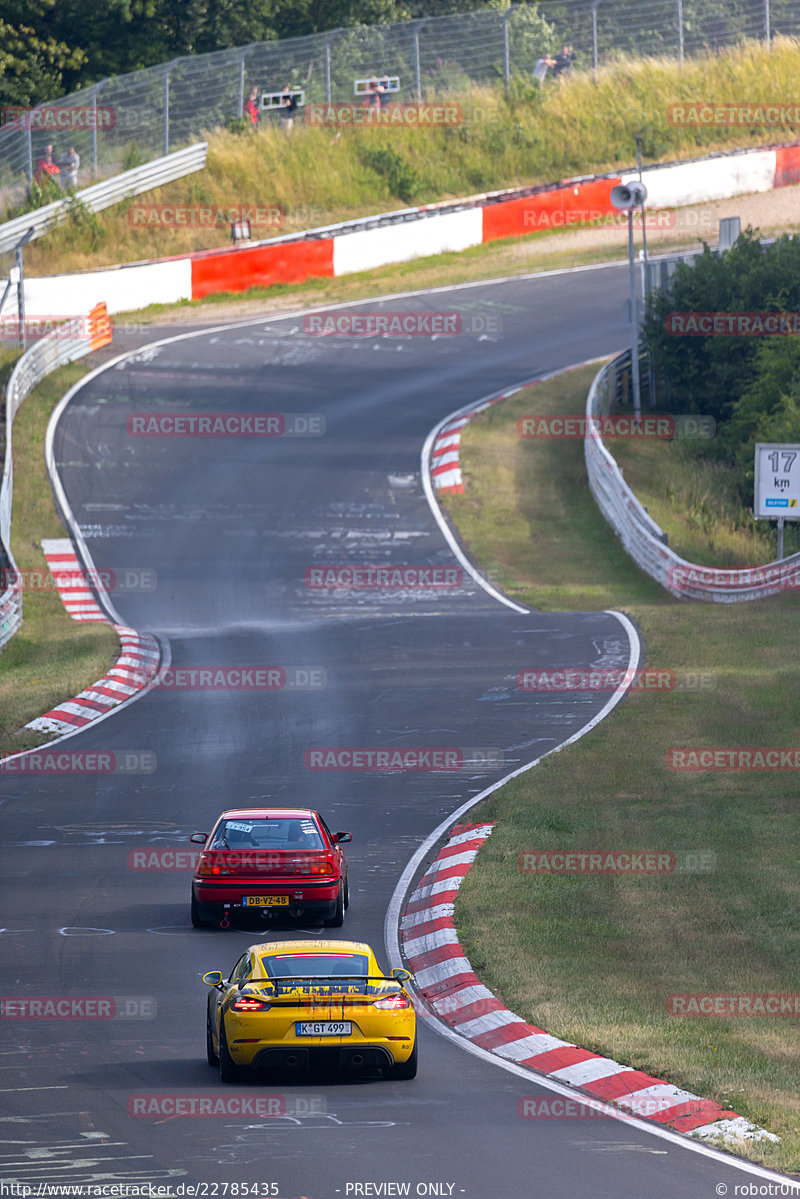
(230,525)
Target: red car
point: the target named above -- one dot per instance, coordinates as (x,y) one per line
(283,860)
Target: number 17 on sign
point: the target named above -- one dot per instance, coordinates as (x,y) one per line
(777,485)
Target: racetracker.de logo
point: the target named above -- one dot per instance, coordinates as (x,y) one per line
(568,678)
(732,324)
(78,1007)
(533,1108)
(163,860)
(47,761)
(125,581)
(35,328)
(401,578)
(225,424)
(56,118)
(734,578)
(578,427)
(541,427)
(162,1106)
(393,757)
(205,216)
(651,219)
(767,1003)
(769,115)
(620,861)
(737,758)
(395,115)
(383,324)
(242,678)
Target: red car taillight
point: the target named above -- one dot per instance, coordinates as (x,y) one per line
(207,865)
(393,1003)
(244,1004)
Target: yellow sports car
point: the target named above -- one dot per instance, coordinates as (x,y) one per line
(288,1003)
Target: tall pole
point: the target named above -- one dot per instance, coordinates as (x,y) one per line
(644,231)
(23,241)
(767,33)
(328,41)
(417,63)
(506,48)
(680,31)
(166,112)
(637,398)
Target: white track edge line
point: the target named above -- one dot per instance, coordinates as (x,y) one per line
(394,909)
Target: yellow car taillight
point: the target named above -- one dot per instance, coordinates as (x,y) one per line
(393,1003)
(246,1004)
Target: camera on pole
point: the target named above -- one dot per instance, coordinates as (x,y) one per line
(625,197)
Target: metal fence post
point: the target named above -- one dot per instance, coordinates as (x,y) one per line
(95,90)
(680,31)
(594,34)
(328,41)
(767,34)
(28,153)
(166,140)
(506,50)
(417,69)
(242,56)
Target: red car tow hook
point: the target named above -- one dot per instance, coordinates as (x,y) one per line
(225,922)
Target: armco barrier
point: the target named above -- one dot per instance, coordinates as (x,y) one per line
(399,236)
(644,540)
(110,191)
(46,356)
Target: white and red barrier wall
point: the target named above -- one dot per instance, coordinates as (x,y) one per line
(365,246)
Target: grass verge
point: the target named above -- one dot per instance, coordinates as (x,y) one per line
(593,959)
(52,657)
(696,502)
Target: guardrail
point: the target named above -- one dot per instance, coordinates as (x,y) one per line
(645,541)
(40,360)
(110,191)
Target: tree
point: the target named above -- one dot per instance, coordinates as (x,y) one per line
(33,68)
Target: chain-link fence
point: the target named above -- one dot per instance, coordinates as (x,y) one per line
(120,122)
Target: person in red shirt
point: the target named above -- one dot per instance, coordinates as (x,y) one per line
(45,166)
(373,94)
(251,107)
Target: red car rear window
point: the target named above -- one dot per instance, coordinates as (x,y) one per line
(268,832)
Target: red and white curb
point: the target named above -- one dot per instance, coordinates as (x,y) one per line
(445,467)
(133,670)
(451,989)
(444,463)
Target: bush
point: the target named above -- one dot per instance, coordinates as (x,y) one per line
(133,157)
(750,385)
(401,177)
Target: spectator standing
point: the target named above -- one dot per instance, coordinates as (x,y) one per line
(372,96)
(69,162)
(564,61)
(251,107)
(287,108)
(543,64)
(46,167)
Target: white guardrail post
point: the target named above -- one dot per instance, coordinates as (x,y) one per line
(110,191)
(40,360)
(645,541)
